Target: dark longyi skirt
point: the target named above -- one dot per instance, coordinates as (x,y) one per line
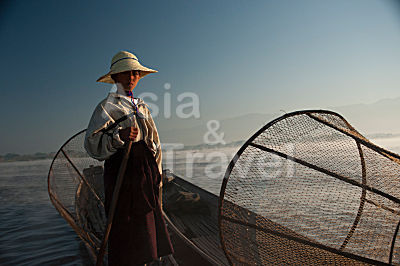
(138,234)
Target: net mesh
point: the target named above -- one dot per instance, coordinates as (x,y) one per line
(309,189)
(75,184)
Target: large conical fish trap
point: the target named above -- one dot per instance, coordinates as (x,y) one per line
(306,189)
(75,184)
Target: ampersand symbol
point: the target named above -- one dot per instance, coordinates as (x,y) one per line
(213,126)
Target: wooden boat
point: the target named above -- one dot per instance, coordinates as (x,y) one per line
(192,215)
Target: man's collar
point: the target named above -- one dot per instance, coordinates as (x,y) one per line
(121,91)
(122,94)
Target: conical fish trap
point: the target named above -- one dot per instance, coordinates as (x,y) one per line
(75,184)
(307,188)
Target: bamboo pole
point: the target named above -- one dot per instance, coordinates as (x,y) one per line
(113,205)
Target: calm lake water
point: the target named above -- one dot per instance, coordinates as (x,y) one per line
(32,232)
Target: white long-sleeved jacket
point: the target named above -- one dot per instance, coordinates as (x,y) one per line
(101,141)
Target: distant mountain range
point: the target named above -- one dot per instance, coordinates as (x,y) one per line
(233,129)
(375,120)
(378,118)
(382,116)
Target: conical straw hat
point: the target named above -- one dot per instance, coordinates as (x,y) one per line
(124,61)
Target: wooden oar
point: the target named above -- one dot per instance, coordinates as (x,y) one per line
(113,205)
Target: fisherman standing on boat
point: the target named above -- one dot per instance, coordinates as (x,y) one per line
(138,233)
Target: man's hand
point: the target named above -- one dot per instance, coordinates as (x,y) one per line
(129,133)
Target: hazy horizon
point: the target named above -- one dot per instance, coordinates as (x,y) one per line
(351,115)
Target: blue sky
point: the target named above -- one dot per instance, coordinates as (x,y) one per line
(239,56)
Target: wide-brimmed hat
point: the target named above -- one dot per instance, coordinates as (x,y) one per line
(125,61)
